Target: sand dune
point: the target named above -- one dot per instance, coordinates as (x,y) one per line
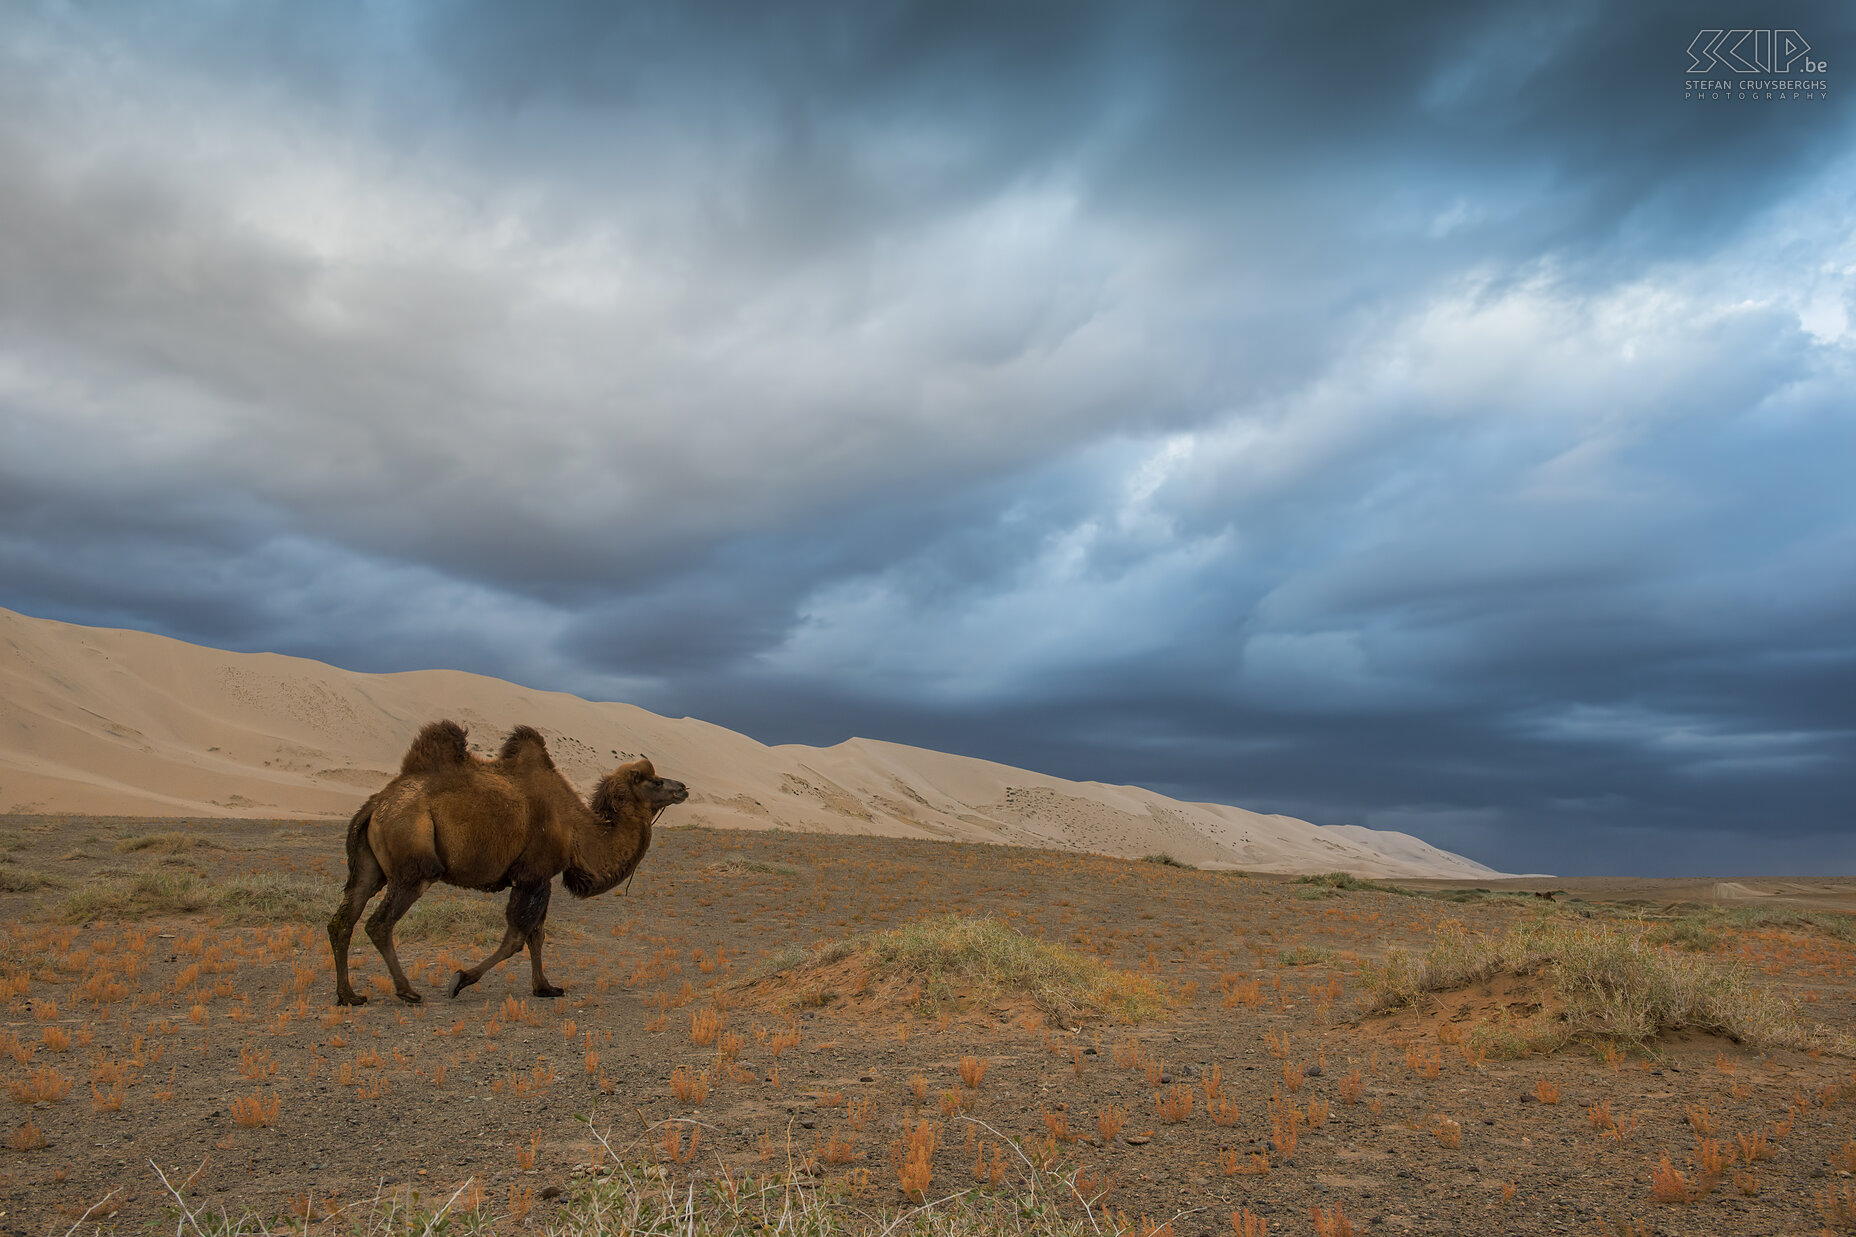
(102,721)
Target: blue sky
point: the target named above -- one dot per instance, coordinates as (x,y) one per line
(1413,416)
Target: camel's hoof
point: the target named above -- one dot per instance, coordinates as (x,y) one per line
(550,990)
(410,997)
(350,998)
(459,982)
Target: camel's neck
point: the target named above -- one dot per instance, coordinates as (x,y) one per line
(608,852)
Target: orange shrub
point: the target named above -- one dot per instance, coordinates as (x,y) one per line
(45,1084)
(252,1110)
(837,1149)
(1711,1161)
(1667,1184)
(1247,1223)
(689,1087)
(913,1156)
(1110,1121)
(1331,1223)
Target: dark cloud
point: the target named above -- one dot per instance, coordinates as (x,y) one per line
(1419,417)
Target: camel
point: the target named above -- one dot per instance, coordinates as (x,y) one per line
(509,823)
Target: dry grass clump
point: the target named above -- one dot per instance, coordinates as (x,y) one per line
(1616,985)
(246,898)
(442,915)
(741,863)
(955,954)
(15,879)
(165,843)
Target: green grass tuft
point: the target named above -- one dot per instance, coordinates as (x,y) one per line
(1166,861)
(1349,883)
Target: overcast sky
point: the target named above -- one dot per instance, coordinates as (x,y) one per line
(1412,416)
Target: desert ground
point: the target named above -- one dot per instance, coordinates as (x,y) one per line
(173,1057)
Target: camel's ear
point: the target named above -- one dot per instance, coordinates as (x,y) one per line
(638,771)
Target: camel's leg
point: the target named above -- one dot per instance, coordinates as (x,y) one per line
(537,935)
(398,901)
(364,881)
(522,915)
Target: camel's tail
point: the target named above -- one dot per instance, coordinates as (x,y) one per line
(357,835)
(441,745)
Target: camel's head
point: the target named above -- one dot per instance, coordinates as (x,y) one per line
(639,779)
(628,800)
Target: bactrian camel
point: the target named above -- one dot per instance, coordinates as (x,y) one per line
(509,823)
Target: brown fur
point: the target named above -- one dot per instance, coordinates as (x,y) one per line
(441,745)
(510,823)
(525,745)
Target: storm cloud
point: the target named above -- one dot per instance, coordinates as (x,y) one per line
(1414,416)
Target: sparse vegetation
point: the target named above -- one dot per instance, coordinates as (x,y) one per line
(1349,883)
(739,863)
(955,954)
(247,898)
(445,916)
(16,879)
(1304,955)
(1614,984)
(169,843)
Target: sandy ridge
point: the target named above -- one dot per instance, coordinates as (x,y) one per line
(106,721)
